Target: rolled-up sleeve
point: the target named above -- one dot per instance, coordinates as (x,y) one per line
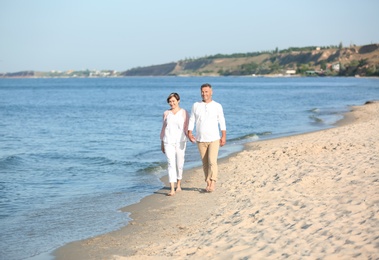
(164,124)
(221,118)
(186,122)
(191,122)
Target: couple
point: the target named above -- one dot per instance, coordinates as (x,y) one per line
(208,115)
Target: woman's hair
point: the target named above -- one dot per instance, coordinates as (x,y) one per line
(176,95)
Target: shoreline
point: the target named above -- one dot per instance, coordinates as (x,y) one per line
(269,203)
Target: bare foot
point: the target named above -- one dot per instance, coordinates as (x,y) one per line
(171,193)
(208,186)
(178,189)
(212,186)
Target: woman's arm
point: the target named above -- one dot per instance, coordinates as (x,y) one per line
(186,121)
(164,124)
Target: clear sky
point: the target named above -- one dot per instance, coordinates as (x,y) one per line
(44,35)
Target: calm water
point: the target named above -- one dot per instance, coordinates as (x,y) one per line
(74,151)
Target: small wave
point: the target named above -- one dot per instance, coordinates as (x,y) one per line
(104,161)
(252,137)
(88,160)
(147,153)
(316,119)
(11,160)
(265,133)
(314,110)
(326,116)
(154,168)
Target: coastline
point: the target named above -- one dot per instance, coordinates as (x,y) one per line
(313,195)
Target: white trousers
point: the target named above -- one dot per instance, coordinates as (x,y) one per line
(175,159)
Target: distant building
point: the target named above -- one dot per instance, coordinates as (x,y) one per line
(311,73)
(290,72)
(336,67)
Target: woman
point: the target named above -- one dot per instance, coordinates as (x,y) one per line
(174,140)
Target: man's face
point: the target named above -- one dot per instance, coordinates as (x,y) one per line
(206,94)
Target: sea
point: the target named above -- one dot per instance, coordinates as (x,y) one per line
(74,151)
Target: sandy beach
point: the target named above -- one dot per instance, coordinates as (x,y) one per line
(309,196)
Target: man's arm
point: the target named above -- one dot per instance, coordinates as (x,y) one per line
(221,121)
(191,125)
(223,138)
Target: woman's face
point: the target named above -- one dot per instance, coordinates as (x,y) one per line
(173,102)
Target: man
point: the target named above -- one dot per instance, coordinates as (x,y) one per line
(208,115)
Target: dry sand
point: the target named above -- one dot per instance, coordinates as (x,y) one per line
(310,196)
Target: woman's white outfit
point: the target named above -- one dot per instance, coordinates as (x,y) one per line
(174,137)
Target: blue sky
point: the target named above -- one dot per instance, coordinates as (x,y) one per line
(44,35)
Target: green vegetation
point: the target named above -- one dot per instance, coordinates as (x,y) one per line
(236,55)
(308,48)
(303,61)
(358,67)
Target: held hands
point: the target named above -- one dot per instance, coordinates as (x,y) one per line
(191,137)
(222,140)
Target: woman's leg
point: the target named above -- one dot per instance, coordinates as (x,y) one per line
(178,185)
(180,154)
(172,189)
(171,166)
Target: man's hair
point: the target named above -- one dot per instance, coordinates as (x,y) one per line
(206,85)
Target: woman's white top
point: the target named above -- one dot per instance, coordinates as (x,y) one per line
(175,126)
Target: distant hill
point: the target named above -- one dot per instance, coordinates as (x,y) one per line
(333,61)
(311,60)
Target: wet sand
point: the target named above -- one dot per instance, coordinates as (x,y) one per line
(309,196)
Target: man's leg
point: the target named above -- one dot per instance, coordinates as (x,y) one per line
(203,150)
(212,163)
